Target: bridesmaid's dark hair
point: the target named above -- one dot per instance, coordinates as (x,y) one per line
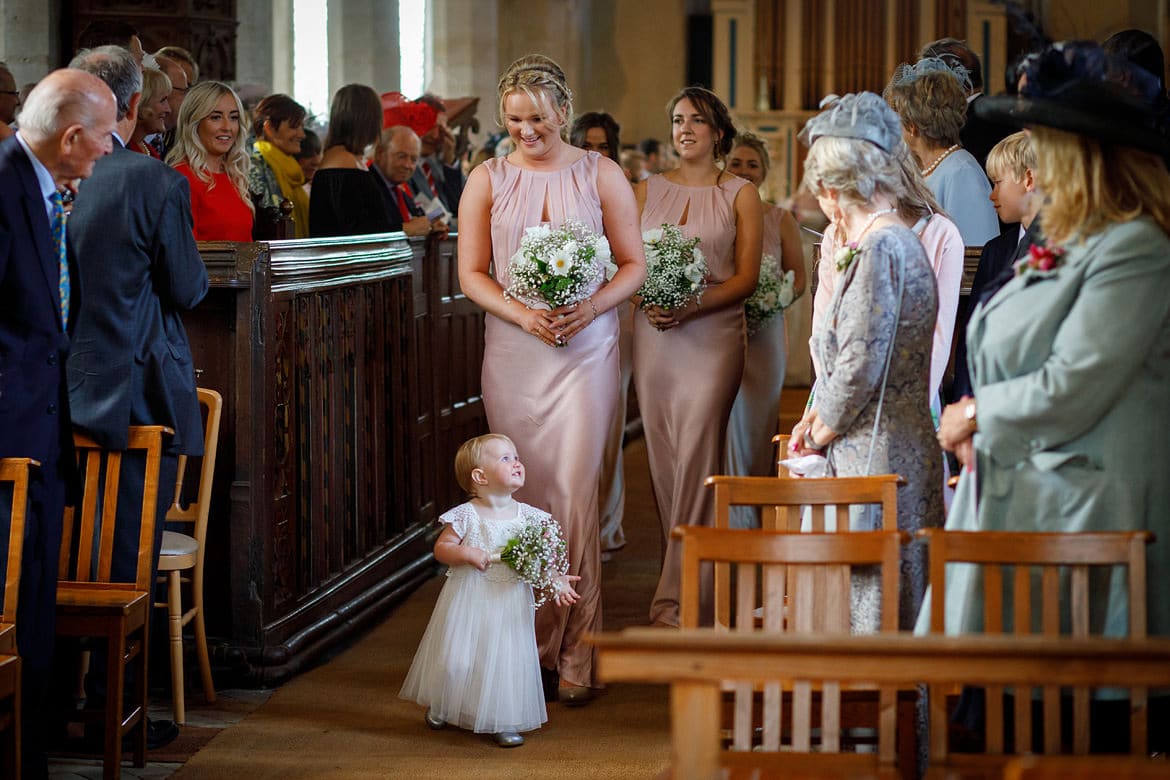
(587,122)
(711,108)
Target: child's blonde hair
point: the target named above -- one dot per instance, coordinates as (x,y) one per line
(1013,155)
(468,458)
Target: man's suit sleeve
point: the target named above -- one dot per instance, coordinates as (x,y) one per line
(178,268)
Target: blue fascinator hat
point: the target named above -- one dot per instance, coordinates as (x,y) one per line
(864,116)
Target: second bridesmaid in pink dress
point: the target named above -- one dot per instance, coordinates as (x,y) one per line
(688,361)
(550,378)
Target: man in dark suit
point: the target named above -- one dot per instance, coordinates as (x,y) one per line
(395,159)
(438,174)
(65,127)
(131,363)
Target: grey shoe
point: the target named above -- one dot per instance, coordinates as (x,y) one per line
(508,739)
(434,721)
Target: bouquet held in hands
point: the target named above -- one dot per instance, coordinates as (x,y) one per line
(775,292)
(676,270)
(558,266)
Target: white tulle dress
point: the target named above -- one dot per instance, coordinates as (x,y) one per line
(477,666)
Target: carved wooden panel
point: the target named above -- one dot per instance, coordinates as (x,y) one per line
(206,28)
(313,345)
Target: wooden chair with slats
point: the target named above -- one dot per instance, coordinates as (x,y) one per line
(781,500)
(781,442)
(89,604)
(184,553)
(763,563)
(14,471)
(1011,565)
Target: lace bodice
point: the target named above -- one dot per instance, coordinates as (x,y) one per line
(488,535)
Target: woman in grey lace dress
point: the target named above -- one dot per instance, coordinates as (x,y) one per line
(872,404)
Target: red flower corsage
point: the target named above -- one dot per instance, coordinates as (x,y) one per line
(1040,259)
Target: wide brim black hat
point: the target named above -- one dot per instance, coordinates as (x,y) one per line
(1077,87)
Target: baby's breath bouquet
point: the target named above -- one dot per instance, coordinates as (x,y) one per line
(774,293)
(558,266)
(539,557)
(676,270)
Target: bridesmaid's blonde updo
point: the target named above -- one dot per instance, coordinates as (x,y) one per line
(543,81)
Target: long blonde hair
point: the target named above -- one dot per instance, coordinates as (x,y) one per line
(1091,185)
(198,104)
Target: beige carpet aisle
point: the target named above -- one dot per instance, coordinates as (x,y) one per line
(344,719)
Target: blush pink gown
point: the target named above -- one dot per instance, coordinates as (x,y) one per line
(555,404)
(687,377)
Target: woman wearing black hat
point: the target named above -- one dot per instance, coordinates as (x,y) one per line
(1069,426)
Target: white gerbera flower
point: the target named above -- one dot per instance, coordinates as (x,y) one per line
(693,272)
(537,232)
(652,236)
(560,262)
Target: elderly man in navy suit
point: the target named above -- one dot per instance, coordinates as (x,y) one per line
(65,127)
(131,363)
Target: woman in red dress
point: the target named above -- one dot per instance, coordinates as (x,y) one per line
(209,151)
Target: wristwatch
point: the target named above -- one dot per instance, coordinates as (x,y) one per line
(969,413)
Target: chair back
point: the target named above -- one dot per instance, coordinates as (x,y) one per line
(87,540)
(1039,583)
(760,564)
(781,442)
(197,509)
(781,500)
(16,471)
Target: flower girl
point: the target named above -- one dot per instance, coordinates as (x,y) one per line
(477,665)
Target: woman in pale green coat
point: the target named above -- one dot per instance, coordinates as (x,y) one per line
(1069,426)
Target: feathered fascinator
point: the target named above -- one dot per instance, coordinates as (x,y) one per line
(1075,86)
(908,74)
(397,110)
(863,115)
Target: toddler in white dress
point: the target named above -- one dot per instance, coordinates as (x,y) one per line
(477,665)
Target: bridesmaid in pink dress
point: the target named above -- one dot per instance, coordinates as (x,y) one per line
(550,378)
(688,361)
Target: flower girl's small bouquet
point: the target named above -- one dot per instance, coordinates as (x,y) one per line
(539,557)
(774,293)
(558,266)
(676,270)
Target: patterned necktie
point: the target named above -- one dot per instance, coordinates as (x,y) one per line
(62,260)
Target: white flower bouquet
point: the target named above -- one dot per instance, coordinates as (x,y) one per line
(539,557)
(676,270)
(774,293)
(558,266)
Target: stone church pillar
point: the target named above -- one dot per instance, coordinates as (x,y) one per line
(363,44)
(463,54)
(256,42)
(29,39)
(734,71)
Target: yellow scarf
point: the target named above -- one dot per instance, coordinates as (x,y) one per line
(292,184)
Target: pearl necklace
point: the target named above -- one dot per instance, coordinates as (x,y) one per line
(869,222)
(930,168)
